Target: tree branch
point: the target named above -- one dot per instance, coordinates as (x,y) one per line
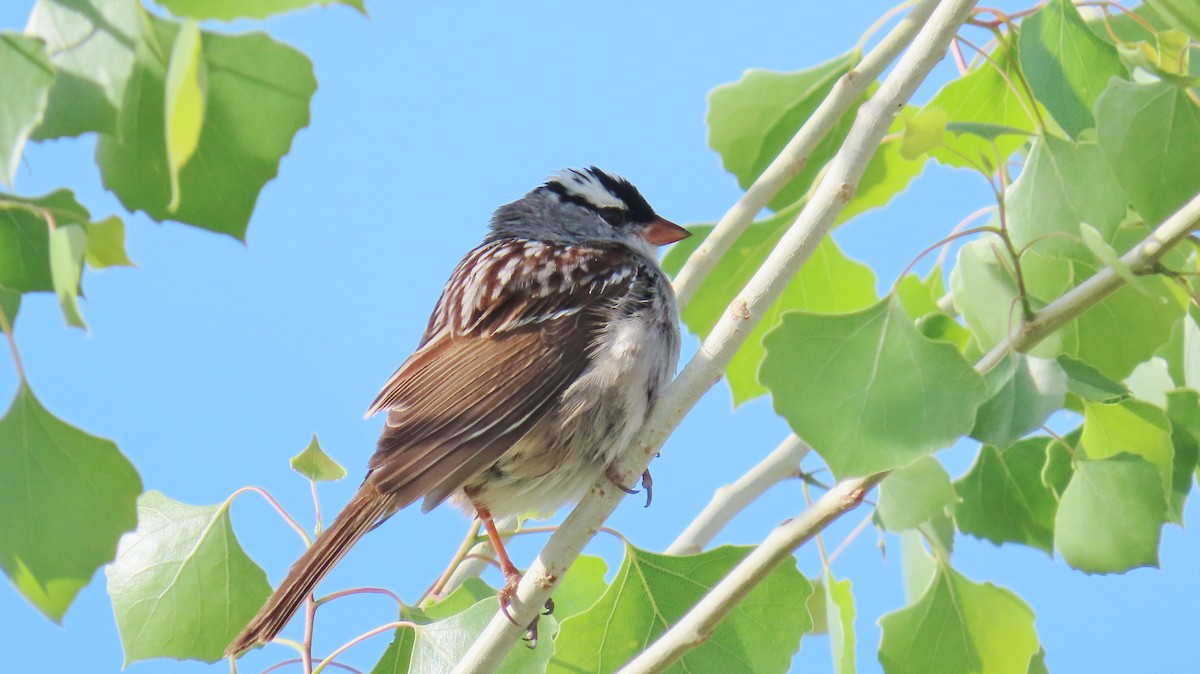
(697,625)
(706,367)
(795,154)
(781,464)
(1141,259)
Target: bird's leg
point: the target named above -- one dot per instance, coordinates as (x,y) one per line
(512,577)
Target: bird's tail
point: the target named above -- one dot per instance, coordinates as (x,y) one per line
(358,517)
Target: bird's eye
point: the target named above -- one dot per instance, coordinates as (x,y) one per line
(614,216)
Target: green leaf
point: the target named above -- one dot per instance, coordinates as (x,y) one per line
(106,244)
(650,592)
(922,132)
(1066,65)
(66,498)
(25,225)
(10,304)
(435,647)
(1004,499)
(959,626)
(1150,381)
(68,244)
(92,44)
(1060,466)
(1133,427)
(258,97)
(1183,409)
(186,91)
(182,586)
(1025,391)
(829,283)
(28,77)
(867,390)
(471,592)
(1062,186)
(1037,664)
(1151,136)
(1111,515)
(1089,383)
(920,297)
(1182,14)
(914,494)
(839,611)
(751,120)
(581,587)
(316,465)
(986,131)
(918,566)
(227,10)
(1182,352)
(983,97)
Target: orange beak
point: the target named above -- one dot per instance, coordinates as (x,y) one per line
(660,232)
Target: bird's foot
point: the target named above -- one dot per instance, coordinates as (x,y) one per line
(647,482)
(506,596)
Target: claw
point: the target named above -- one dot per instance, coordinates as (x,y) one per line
(611,473)
(648,485)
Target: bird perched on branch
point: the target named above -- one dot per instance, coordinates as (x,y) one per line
(548,348)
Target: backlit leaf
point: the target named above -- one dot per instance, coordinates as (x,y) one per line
(1065,64)
(258,96)
(246,9)
(182,586)
(1150,134)
(1110,517)
(751,120)
(839,611)
(316,465)
(186,91)
(28,76)
(650,592)
(867,390)
(106,244)
(912,495)
(68,245)
(1025,391)
(92,44)
(65,496)
(959,626)
(1004,499)
(1131,427)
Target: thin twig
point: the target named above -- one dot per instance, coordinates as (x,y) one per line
(7,326)
(278,508)
(781,464)
(327,661)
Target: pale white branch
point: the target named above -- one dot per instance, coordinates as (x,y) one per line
(781,464)
(697,626)
(705,368)
(795,154)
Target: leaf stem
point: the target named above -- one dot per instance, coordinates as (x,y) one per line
(360,590)
(278,508)
(293,661)
(328,660)
(469,541)
(6,326)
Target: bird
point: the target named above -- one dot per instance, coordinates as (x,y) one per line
(545,353)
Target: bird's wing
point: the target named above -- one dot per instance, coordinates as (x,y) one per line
(512,331)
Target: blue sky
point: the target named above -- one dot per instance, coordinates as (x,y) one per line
(212,362)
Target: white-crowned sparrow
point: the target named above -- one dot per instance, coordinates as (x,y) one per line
(548,348)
